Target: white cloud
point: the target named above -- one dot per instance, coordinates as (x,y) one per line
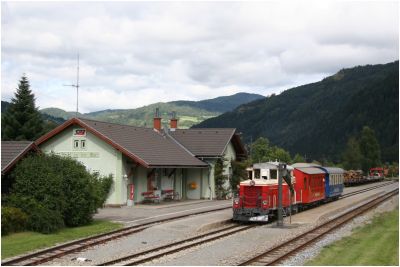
(137,53)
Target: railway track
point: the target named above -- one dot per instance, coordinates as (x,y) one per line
(175,247)
(367,189)
(282,251)
(49,254)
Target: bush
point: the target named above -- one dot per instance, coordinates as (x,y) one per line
(239,173)
(103,186)
(40,218)
(56,191)
(44,220)
(220,179)
(12,220)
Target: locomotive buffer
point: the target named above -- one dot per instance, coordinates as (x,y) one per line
(284,175)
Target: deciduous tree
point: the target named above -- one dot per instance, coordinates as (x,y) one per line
(352,155)
(370,149)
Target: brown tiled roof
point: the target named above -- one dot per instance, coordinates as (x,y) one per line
(13,151)
(204,142)
(144,145)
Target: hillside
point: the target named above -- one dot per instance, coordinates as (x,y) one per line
(188,112)
(317,119)
(59,113)
(220,104)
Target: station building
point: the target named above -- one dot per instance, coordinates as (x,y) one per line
(143,160)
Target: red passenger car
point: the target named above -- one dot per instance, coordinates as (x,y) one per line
(310,186)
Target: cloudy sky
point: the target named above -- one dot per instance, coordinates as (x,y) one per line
(137,53)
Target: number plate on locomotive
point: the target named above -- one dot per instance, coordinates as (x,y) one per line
(262,218)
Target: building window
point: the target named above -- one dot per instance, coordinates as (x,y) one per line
(83,144)
(76,144)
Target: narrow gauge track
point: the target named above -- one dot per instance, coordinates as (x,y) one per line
(367,189)
(168,249)
(280,252)
(51,253)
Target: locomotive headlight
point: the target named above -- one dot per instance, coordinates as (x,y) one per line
(264,202)
(252,182)
(236,201)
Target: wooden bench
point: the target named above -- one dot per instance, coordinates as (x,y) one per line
(151,196)
(170,194)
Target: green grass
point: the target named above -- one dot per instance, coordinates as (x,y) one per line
(19,243)
(376,243)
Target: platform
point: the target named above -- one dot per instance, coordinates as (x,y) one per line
(142,213)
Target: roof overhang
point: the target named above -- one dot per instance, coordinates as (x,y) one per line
(178,167)
(241,152)
(11,164)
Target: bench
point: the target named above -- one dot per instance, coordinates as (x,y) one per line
(151,196)
(170,194)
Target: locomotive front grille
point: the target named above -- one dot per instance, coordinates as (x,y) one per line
(251,196)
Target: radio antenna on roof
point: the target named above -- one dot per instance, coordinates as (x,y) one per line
(76,86)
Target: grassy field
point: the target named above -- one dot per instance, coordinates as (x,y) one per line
(19,243)
(374,244)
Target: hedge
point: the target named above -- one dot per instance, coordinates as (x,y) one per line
(56,191)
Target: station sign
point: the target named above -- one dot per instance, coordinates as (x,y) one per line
(79,132)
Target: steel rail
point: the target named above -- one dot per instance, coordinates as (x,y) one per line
(201,239)
(48,254)
(294,245)
(366,189)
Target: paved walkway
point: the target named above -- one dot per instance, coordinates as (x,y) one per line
(141,213)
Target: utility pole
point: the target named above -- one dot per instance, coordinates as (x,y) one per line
(281,170)
(77,88)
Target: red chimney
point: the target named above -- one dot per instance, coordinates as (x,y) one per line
(173,124)
(157,121)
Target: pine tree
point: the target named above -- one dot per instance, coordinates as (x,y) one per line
(22,120)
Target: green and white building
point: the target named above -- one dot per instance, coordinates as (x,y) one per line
(147,159)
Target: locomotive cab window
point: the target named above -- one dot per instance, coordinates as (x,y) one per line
(257,173)
(274,174)
(83,144)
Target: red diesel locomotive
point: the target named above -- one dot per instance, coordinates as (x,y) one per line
(258,197)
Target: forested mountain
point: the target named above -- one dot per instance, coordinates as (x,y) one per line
(188,112)
(317,119)
(220,104)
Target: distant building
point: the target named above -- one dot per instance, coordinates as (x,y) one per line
(150,159)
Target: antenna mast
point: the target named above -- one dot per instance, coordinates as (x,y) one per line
(77,87)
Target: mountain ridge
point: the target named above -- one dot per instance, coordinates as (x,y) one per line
(305,119)
(188,112)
